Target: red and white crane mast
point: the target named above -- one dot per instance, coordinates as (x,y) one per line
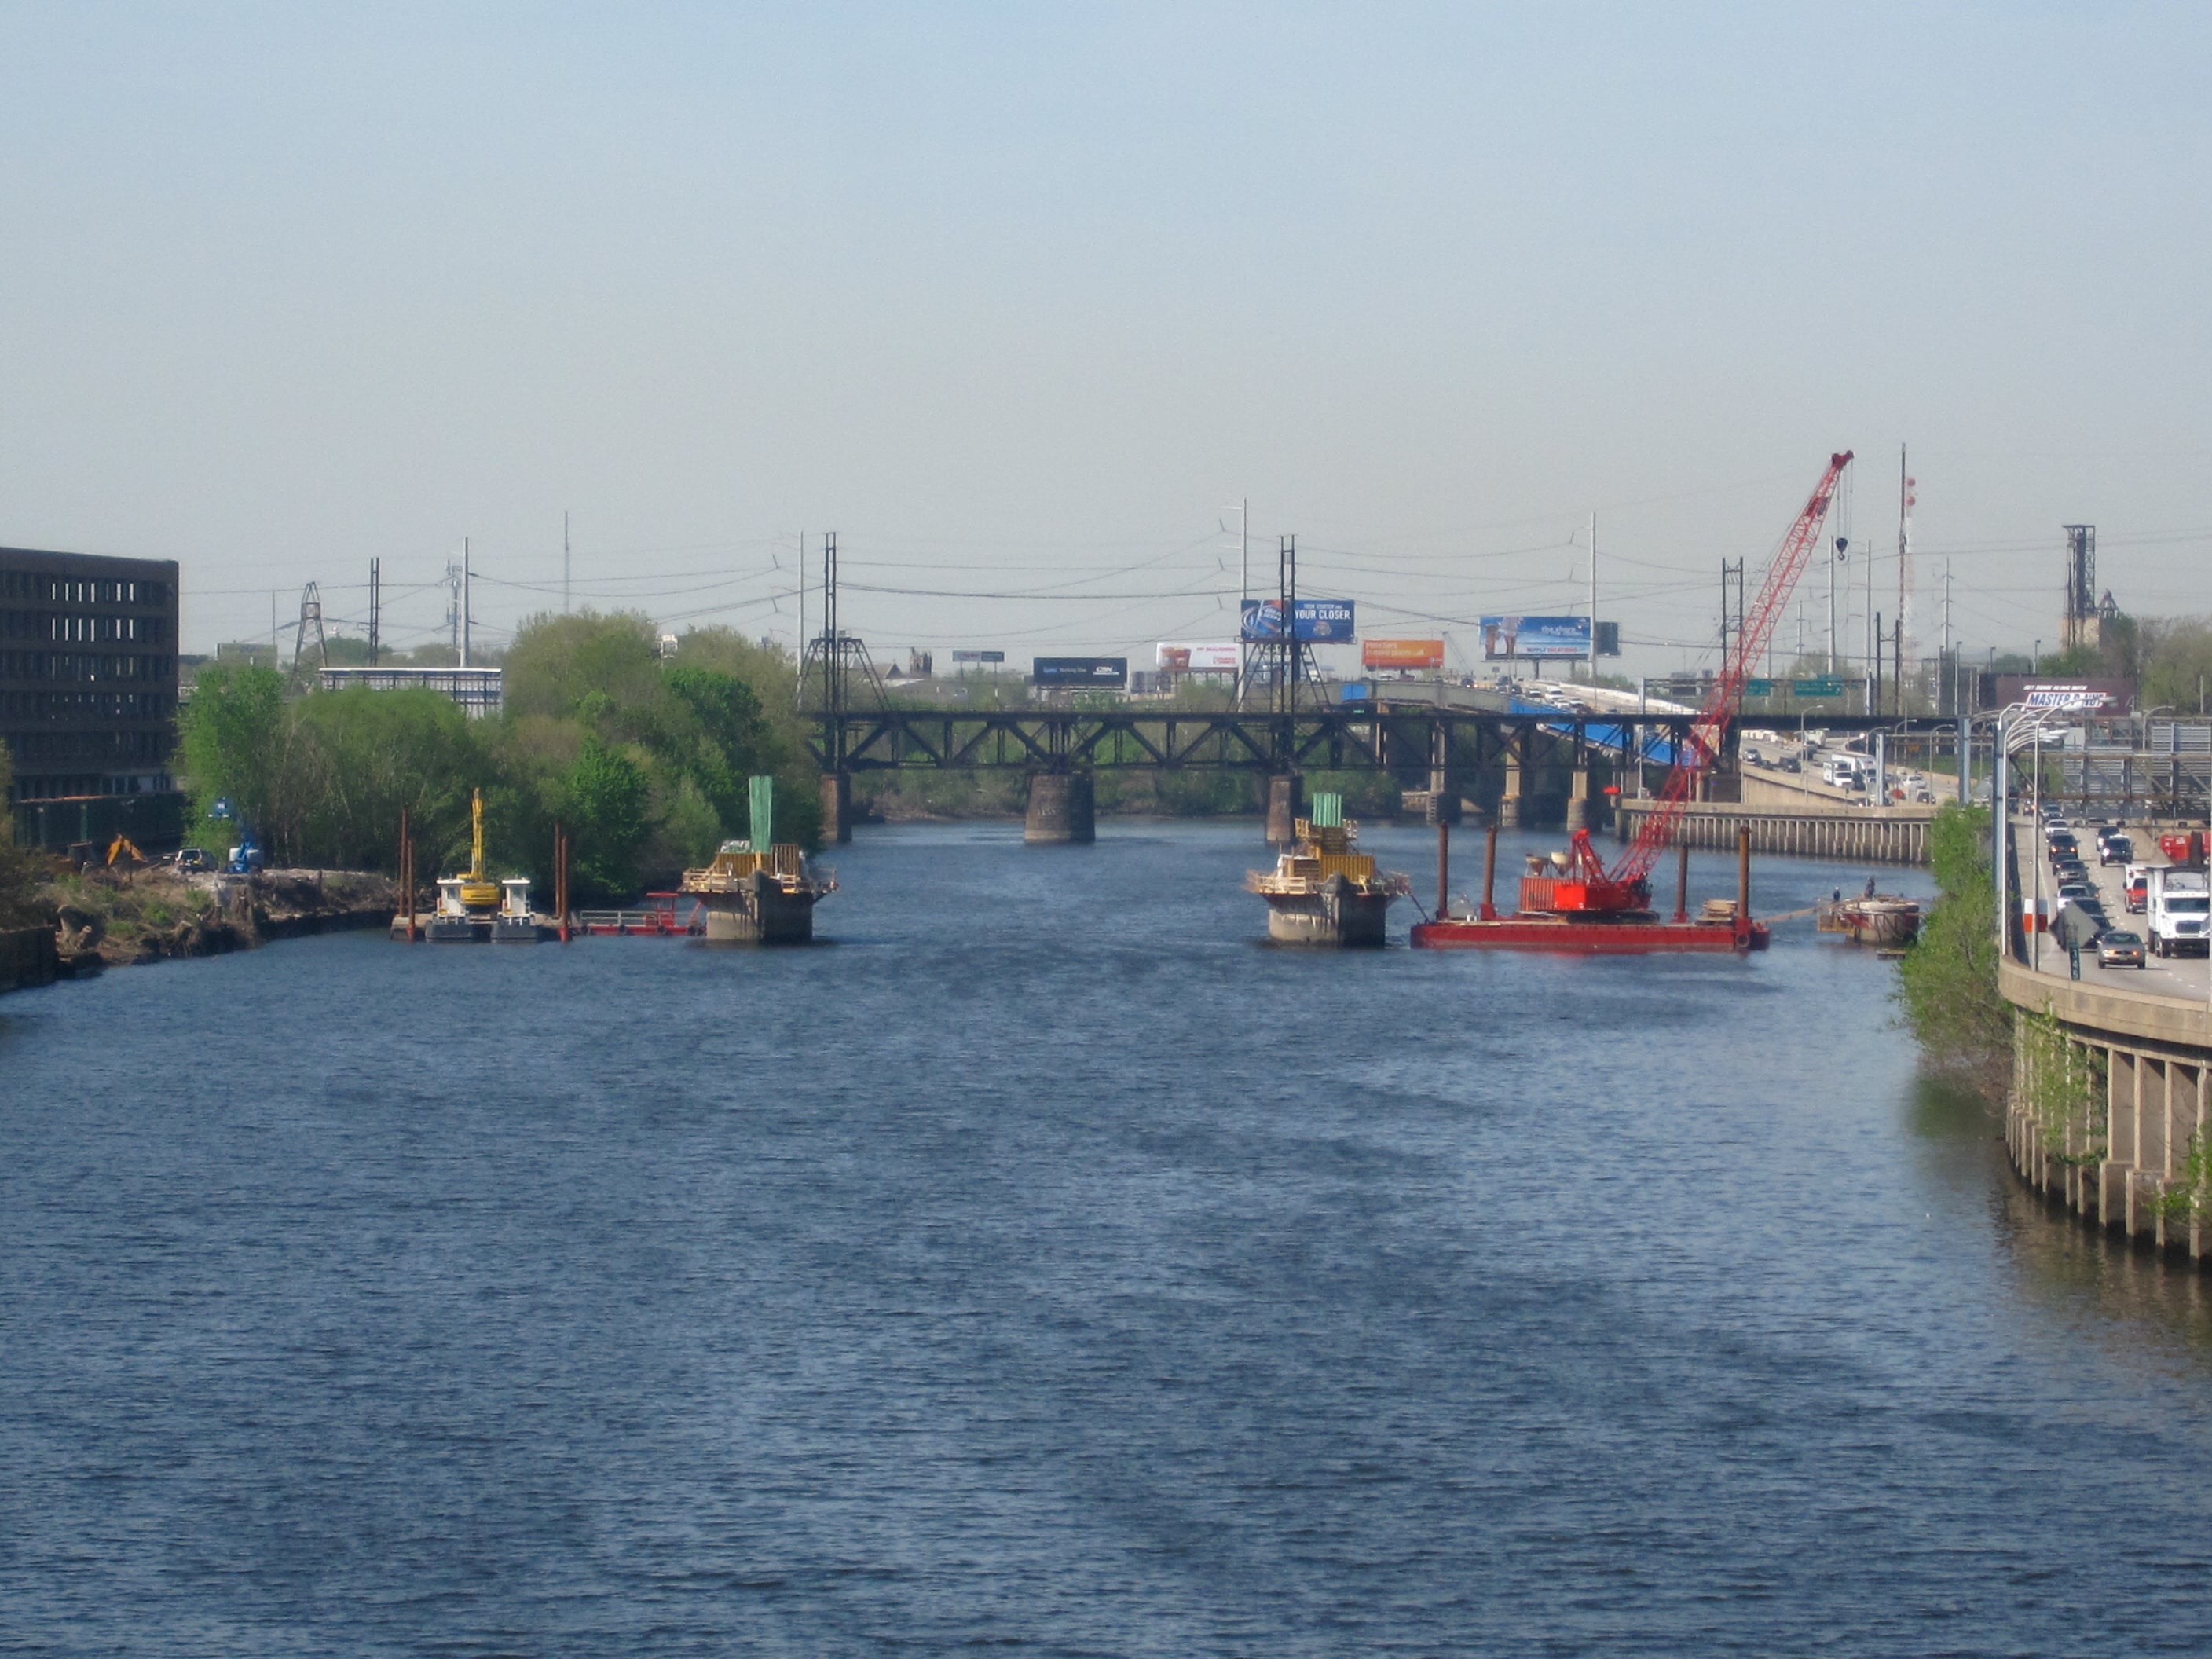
(1588,885)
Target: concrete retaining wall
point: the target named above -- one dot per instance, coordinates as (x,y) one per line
(26,958)
(1862,834)
(2110,1108)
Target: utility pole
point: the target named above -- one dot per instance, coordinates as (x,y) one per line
(1872,622)
(1836,556)
(1593,619)
(1896,665)
(467,619)
(567,604)
(375,605)
(1905,500)
(1244,593)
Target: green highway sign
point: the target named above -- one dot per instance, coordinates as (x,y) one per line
(1758,688)
(1825,685)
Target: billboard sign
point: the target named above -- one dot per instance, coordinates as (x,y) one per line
(2085,696)
(1401,653)
(979,656)
(1095,673)
(1319,622)
(1217,658)
(1535,636)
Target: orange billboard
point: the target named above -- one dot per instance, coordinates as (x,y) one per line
(1401,653)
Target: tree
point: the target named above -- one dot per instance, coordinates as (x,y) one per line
(558,662)
(19,874)
(605,800)
(359,757)
(716,737)
(1947,981)
(231,742)
(2177,655)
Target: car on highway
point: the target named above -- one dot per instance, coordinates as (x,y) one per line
(2119,948)
(2079,891)
(2134,887)
(2115,848)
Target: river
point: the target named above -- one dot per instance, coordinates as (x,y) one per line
(1045,1266)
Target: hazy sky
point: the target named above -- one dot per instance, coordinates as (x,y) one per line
(1019,296)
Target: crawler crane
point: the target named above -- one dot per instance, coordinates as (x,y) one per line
(1583,906)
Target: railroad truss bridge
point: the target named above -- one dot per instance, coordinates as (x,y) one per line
(1524,766)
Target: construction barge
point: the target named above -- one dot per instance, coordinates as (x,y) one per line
(759,895)
(1554,914)
(1571,901)
(1322,891)
(748,894)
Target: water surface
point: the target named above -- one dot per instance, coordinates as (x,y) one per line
(1047,1266)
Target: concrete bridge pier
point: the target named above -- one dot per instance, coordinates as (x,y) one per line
(1063,810)
(1509,803)
(1443,797)
(1286,803)
(837,808)
(1578,800)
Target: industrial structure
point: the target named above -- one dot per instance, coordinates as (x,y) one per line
(477,691)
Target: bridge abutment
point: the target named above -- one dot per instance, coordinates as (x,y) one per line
(1286,800)
(1062,810)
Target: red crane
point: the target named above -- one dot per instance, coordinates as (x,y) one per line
(1589,887)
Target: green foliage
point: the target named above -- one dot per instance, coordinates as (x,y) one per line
(604,669)
(18,867)
(645,762)
(1947,981)
(2060,1084)
(2176,664)
(233,744)
(603,801)
(2188,1194)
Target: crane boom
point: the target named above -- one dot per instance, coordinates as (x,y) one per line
(1627,885)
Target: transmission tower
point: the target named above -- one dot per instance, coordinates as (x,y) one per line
(311,616)
(836,660)
(1280,660)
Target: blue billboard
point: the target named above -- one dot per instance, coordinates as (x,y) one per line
(1535,636)
(1100,673)
(1320,621)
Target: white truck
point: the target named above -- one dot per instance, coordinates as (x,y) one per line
(2177,910)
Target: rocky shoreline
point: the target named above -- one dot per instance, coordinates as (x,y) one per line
(104,918)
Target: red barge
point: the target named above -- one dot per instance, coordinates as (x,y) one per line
(1552,914)
(1570,901)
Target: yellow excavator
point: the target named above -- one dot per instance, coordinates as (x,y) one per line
(472,907)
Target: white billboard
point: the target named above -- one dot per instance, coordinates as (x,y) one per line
(1210,658)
